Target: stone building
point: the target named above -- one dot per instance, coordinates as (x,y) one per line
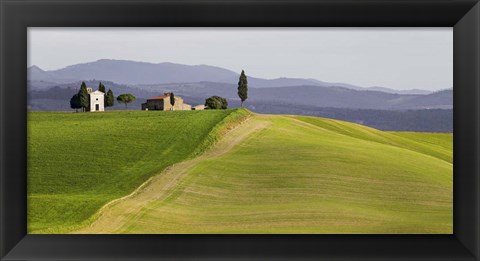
(97,100)
(198,107)
(162,103)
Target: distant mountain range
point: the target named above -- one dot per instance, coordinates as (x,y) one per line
(378,107)
(137,73)
(428,120)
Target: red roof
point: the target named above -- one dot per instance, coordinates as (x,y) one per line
(160,97)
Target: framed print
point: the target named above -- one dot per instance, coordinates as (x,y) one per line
(239,130)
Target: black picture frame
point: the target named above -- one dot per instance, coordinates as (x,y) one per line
(17,15)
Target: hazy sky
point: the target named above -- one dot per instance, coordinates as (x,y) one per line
(399,58)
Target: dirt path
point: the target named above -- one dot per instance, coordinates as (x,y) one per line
(116,214)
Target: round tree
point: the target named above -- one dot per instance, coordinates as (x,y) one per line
(75,102)
(126,98)
(216,102)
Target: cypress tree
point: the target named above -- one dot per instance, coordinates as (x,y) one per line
(101,87)
(109,99)
(84,97)
(242,88)
(172,99)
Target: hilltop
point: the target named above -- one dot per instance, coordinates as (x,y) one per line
(299,175)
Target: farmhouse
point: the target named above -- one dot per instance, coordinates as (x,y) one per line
(198,107)
(97,100)
(162,103)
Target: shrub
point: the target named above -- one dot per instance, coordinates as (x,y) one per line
(216,102)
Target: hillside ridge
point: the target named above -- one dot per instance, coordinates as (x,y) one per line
(141,150)
(386,138)
(185,182)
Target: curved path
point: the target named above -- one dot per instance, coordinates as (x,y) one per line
(294,174)
(114,215)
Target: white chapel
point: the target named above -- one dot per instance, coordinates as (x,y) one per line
(97,100)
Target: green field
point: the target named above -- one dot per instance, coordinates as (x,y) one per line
(271,174)
(77,162)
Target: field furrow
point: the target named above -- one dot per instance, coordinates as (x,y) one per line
(289,174)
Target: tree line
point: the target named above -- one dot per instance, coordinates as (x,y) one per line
(81,100)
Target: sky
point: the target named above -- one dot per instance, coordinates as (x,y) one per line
(397,58)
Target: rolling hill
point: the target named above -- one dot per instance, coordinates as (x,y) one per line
(77,162)
(271,174)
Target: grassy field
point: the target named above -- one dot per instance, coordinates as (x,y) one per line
(295,174)
(77,162)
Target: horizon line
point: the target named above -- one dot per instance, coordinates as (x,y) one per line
(223,68)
